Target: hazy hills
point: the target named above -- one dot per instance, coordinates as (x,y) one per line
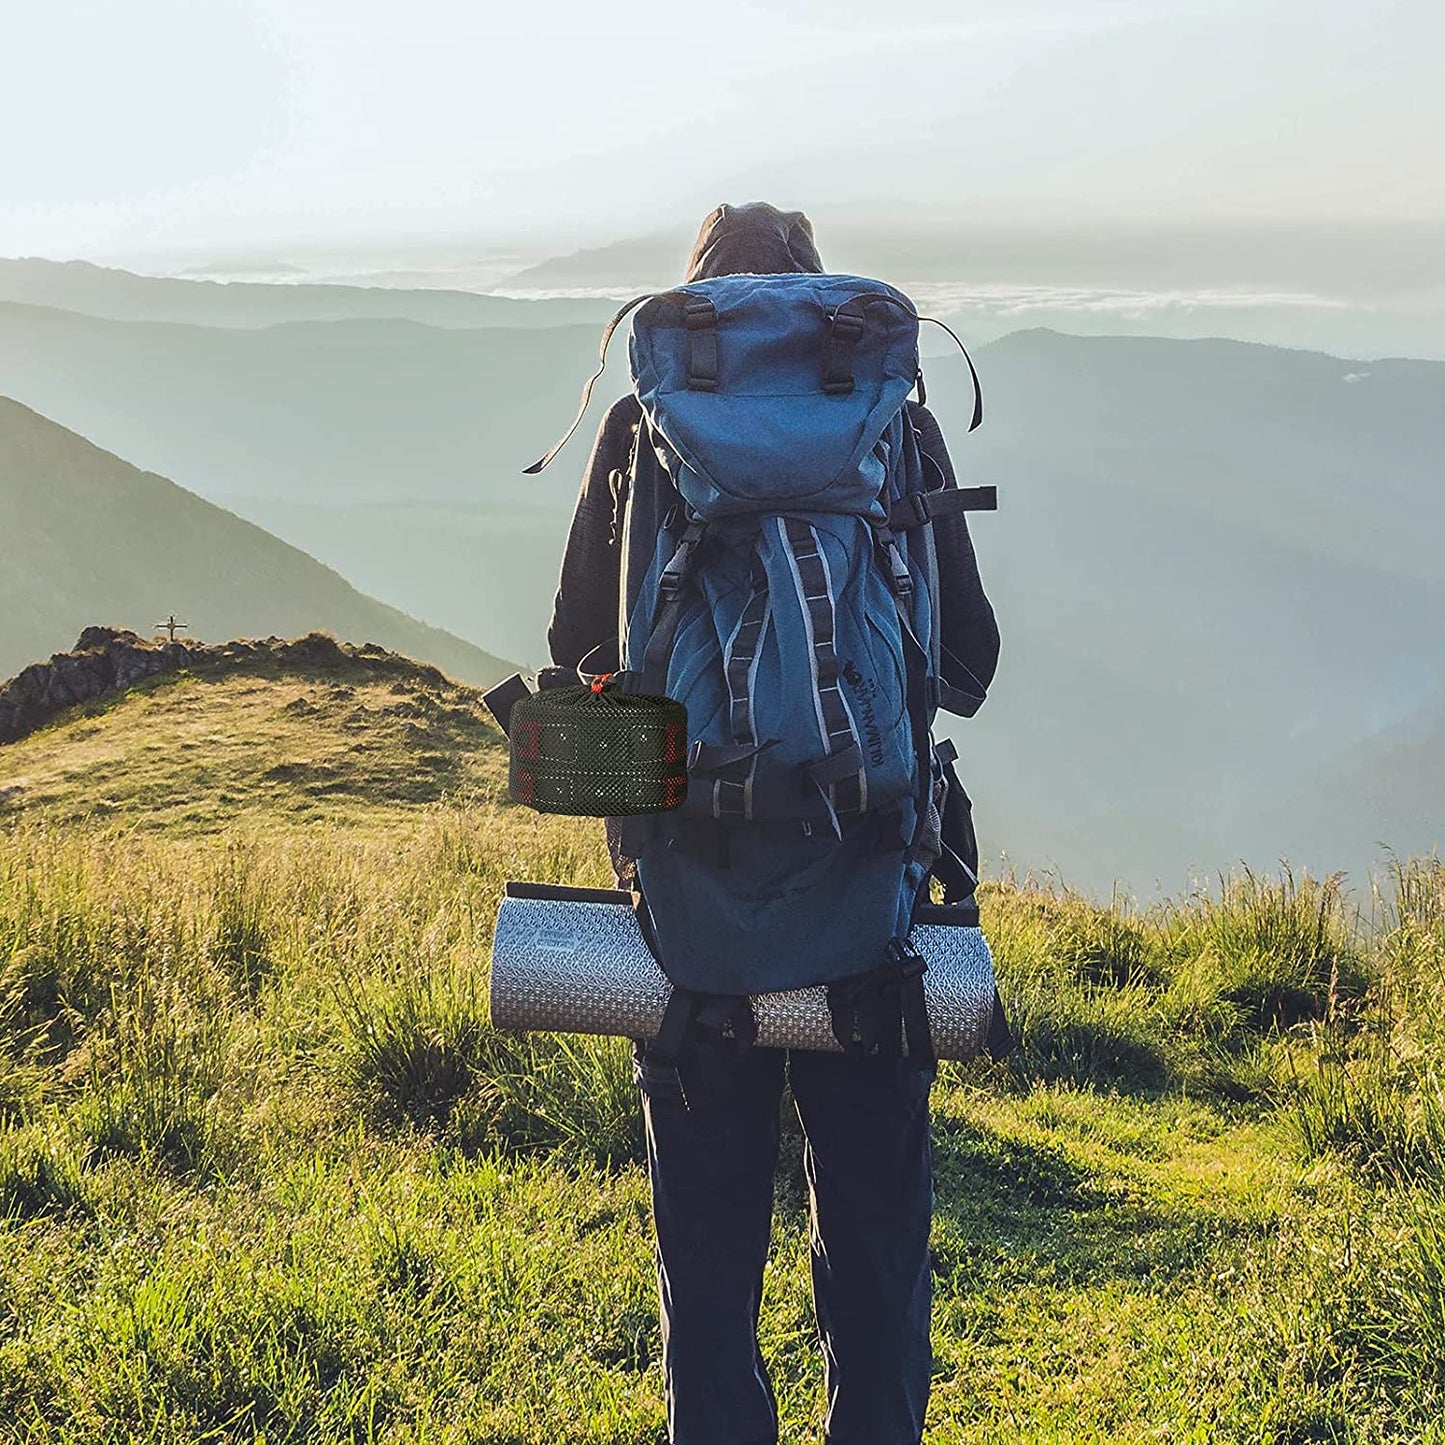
(1218,587)
(337,412)
(88,537)
(121,296)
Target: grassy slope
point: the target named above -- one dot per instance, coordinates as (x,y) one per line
(198,752)
(265,1172)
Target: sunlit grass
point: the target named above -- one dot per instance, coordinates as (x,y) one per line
(266,1171)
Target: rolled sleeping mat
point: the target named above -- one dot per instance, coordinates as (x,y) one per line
(573,960)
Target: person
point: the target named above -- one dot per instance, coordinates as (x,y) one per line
(713,1133)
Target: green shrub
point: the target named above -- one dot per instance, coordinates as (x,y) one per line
(242,908)
(557,1091)
(1107,1036)
(1375,1092)
(421,1046)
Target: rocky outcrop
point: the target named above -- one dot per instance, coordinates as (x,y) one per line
(107,661)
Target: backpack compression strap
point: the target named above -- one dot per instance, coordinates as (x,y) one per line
(733,788)
(840,775)
(846,331)
(917,509)
(669,608)
(874,1012)
(725,1020)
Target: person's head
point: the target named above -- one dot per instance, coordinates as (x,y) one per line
(756,238)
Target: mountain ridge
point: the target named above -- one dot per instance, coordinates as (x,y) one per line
(91,535)
(111,293)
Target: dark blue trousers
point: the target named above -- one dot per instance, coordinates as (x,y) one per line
(712,1145)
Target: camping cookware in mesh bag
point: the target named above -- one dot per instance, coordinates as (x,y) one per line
(597,751)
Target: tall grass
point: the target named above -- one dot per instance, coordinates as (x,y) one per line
(1375,1091)
(1198,994)
(267,1171)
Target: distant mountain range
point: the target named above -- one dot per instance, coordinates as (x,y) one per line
(89,538)
(1371,290)
(1216,565)
(335,412)
(1219,588)
(121,296)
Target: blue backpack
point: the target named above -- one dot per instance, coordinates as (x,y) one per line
(779,580)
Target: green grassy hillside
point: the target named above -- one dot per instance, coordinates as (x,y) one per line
(89,538)
(266,1172)
(220,744)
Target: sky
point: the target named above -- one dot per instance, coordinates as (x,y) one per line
(192,124)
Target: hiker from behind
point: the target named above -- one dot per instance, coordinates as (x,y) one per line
(811,646)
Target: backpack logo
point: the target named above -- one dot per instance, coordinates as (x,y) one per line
(864,690)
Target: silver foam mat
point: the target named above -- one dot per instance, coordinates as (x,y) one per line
(565,966)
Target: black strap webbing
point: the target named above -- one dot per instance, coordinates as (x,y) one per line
(725,1020)
(977,420)
(915,1020)
(676,1018)
(501,699)
(670,597)
(959,880)
(957,700)
(644,925)
(873,1013)
(699,316)
(1001,1040)
(917,509)
(843,763)
(706,759)
(844,334)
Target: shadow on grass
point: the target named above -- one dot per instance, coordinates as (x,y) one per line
(1011,1211)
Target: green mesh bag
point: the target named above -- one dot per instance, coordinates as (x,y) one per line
(595,751)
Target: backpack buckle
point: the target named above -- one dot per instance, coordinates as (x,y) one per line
(675,573)
(910,963)
(900,579)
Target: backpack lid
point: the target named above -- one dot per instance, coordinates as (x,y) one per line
(777,387)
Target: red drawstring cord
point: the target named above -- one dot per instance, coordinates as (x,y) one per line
(597,682)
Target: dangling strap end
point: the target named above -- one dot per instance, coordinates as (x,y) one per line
(542,462)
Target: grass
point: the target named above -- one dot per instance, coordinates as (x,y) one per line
(191,753)
(267,1173)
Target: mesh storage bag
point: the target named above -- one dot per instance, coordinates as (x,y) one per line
(596,751)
